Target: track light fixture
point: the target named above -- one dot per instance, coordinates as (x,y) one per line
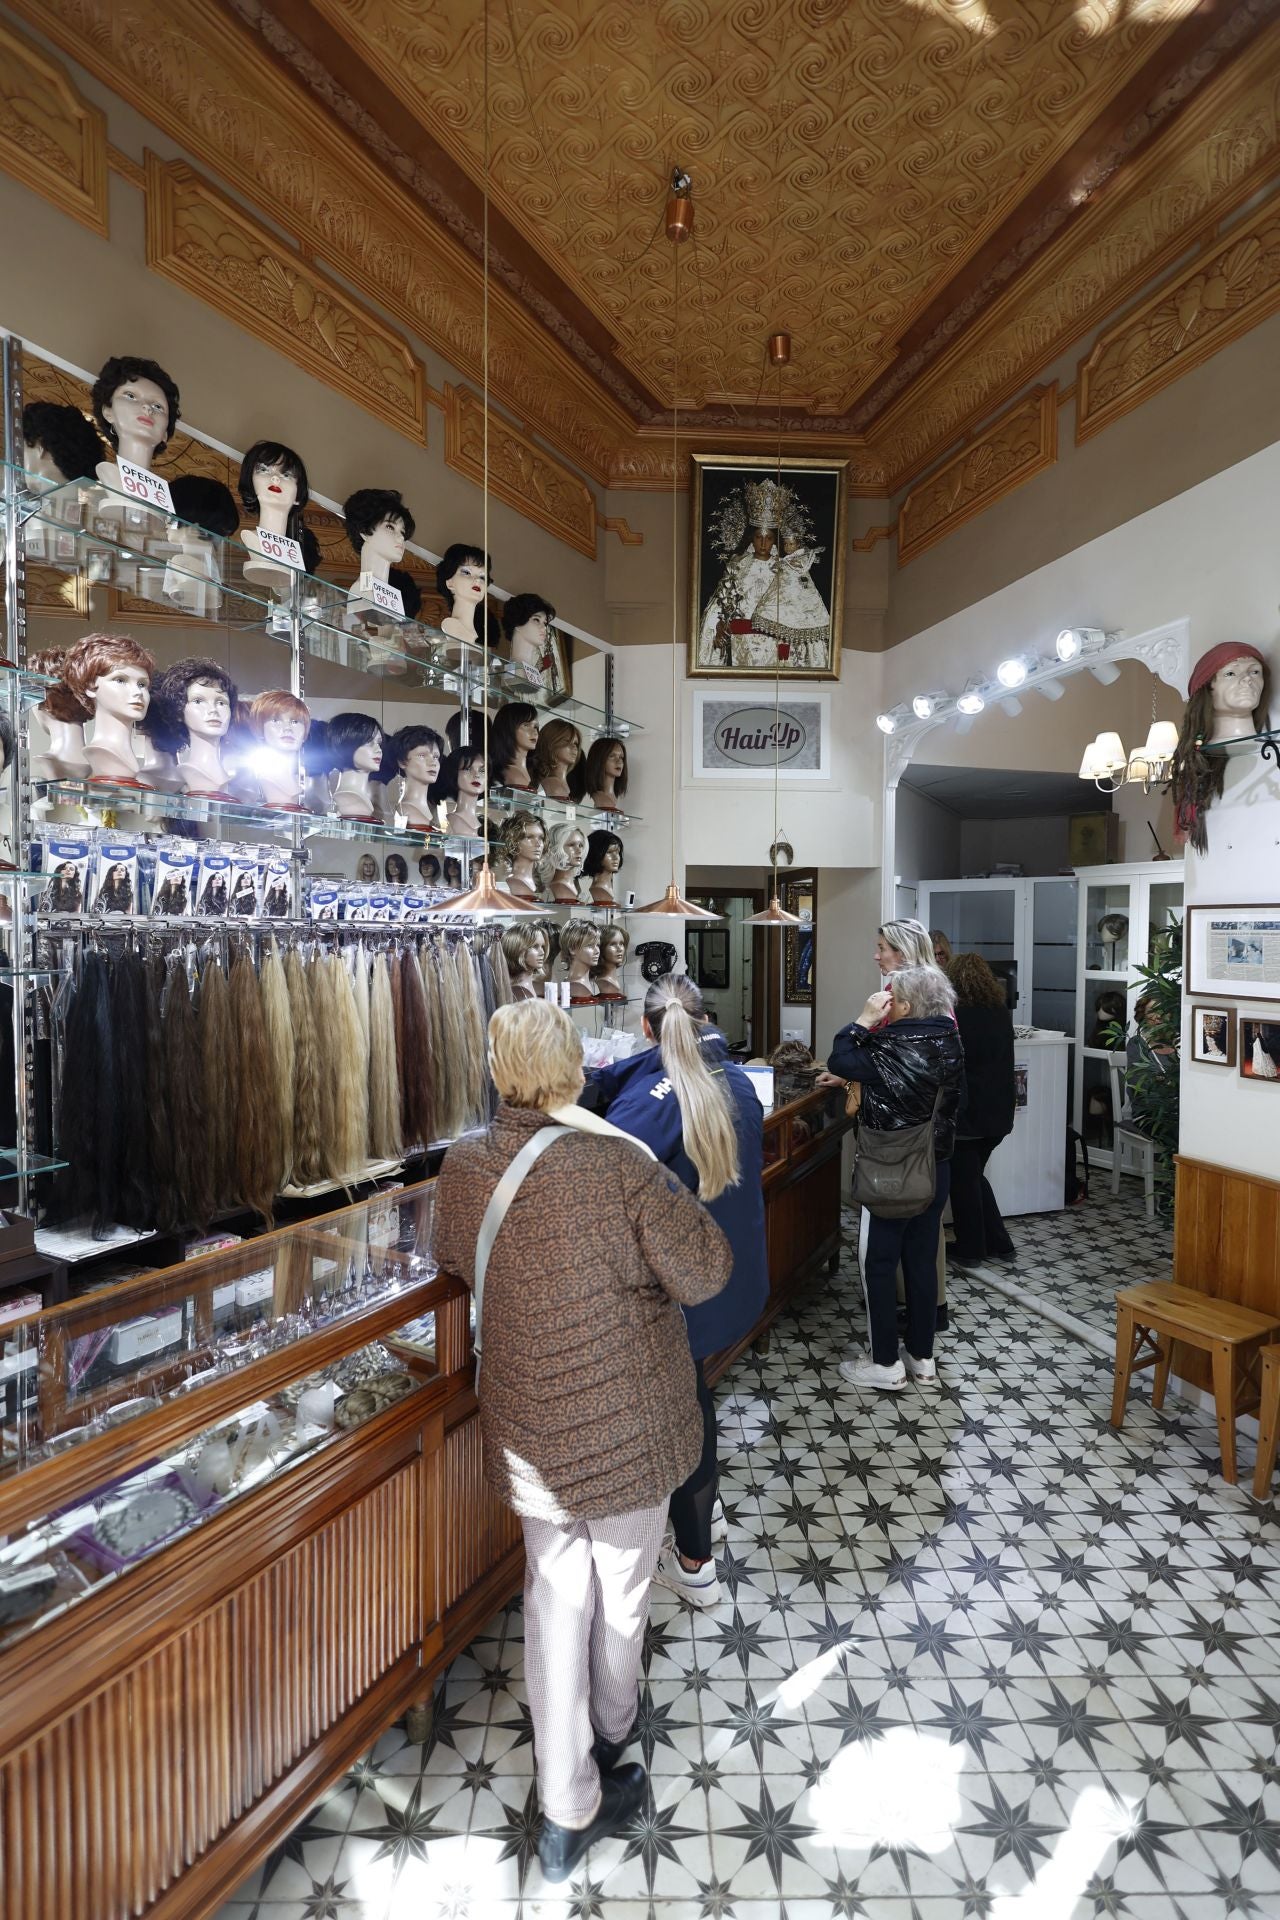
(926,706)
(972,700)
(1013,672)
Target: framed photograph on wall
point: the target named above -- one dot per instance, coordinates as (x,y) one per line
(1260,1050)
(1213,1036)
(798,893)
(766,574)
(1233,951)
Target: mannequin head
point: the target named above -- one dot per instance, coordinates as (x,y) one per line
(415,752)
(461,775)
(378,523)
(604,854)
(280,720)
(111,674)
(565,852)
(463,577)
(558,755)
(193,697)
(1223,683)
(473,728)
(580,942)
(72,448)
(1237,687)
(614,943)
(136,401)
(395,870)
(429,869)
(523,837)
(206,503)
(525,947)
(355,743)
(514,736)
(366,869)
(526,624)
(606,761)
(273,474)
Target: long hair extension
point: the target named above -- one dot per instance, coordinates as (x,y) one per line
(256,1137)
(475,1049)
(134,1201)
(184,1090)
(384,1074)
(417,1104)
(219,1082)
(673,1008)
(280,1051)
(360,987)
(166,1210)
(351,1076)
(320,983)
(87,1107)
(449,1036)
(501,974)
(308,1148)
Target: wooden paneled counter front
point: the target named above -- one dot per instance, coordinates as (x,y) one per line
(243,1527)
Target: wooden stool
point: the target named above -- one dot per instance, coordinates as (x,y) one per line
(1268,1423)
(1229,1334)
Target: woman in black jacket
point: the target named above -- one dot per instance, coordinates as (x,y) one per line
(902,1067)
(986,1113)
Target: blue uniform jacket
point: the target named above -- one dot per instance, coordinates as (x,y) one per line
(636,1095)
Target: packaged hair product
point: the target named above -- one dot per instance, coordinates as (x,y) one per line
(115,882)
(322,903)
(174,892)
(275,885)
(214,889)
(244,899)
(66,862)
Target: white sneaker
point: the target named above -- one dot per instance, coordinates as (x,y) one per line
(866,1373)
(719,1526)
(923,1372)
(696,1589)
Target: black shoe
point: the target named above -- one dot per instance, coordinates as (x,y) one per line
(942,1321)
(561,1848)
(609,1752)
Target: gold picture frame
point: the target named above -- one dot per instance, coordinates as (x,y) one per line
(740,557)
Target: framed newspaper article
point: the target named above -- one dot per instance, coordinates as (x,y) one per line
(1234,951)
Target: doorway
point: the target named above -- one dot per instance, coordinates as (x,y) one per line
(730,965)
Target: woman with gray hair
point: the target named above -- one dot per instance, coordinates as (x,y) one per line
(904,1051)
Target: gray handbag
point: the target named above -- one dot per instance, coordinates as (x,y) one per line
(894,1173)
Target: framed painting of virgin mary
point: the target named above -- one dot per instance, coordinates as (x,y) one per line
(767,567)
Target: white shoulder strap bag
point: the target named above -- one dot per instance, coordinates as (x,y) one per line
(496,1212)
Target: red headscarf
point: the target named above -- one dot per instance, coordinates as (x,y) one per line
(1218,657)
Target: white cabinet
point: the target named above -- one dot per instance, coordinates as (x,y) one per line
(1025,929)
(1123,910)
(1028,1168)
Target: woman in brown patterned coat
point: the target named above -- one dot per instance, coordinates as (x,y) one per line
(588,1405)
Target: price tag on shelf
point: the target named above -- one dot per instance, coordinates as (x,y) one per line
(385,597)
(141,484)
(278,546)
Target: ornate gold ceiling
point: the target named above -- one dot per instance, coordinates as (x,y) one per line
(848,156)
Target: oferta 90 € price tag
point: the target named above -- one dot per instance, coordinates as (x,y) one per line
(141,484)
(279,546)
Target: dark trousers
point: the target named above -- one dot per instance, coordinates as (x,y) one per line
(979,1227)
(915,1244)
(691,1504)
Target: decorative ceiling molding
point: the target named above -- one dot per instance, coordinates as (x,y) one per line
(209,246)
(1216,298)
(1020,444)
(521,472)
(616,523)
(51,139)
(867,542)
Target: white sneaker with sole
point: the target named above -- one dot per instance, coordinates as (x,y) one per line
(719,1526)
(923,1372)
(700,1588)
(866,1373)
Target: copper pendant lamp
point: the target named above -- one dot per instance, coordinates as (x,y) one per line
(486,900)
(679,225)
(775,914)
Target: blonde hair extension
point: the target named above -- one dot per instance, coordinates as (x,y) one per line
(360,985)
(471,1007)
(256,1133)
(384,1077)
(218,1082)
(351,1075)
(673,1008)
(443,1078)
(279,1021)
(308,1148)
(502,994)
(452,1046)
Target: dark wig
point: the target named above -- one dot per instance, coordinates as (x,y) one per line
(6,741)
(114,375)
(598,844)
(74,446)
(345,734)
(402,744)
(522,607)
(164,722)
(502,737)
(205,502)
(476,727)
(457,556)
(1198,777)
(593,775)
(446,787)
(273,453)
(368,507)
(409,590)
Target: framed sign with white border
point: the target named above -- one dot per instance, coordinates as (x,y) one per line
(1233,951)
(733,735)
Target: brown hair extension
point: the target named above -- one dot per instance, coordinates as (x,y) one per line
(221,1094)
(384,1078)
(163,1194)
(184,1080)
(473,1054)
(415,1062)
(256,1133)
(350,1073)
(431,1054)
(320,982)
(275,1011)
(308,1149)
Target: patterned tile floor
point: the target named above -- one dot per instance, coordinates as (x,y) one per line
(1076,1259)
(980,1656)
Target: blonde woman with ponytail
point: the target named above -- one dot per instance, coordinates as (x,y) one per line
(697,1111)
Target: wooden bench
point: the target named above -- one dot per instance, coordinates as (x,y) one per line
(1149,1318)
(1268,1422)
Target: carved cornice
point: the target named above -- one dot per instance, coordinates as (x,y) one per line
(616,523)
(1019,444)
(521,472)
(211,247)
(1215,299)
(51,139)
(867,542)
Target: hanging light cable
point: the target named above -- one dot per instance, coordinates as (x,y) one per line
(486,899)
(775,914)
(679,225)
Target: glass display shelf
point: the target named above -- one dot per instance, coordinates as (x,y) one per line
(1266,743)
(84,528)
(11,1168)
(505,800)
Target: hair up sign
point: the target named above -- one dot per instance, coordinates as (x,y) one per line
(743,738)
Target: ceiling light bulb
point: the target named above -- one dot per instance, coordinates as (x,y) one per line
(971,700)
(925,705)
(1012,673)
(888,722)
(1067,644)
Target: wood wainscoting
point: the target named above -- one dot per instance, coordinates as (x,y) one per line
(1226,1242)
